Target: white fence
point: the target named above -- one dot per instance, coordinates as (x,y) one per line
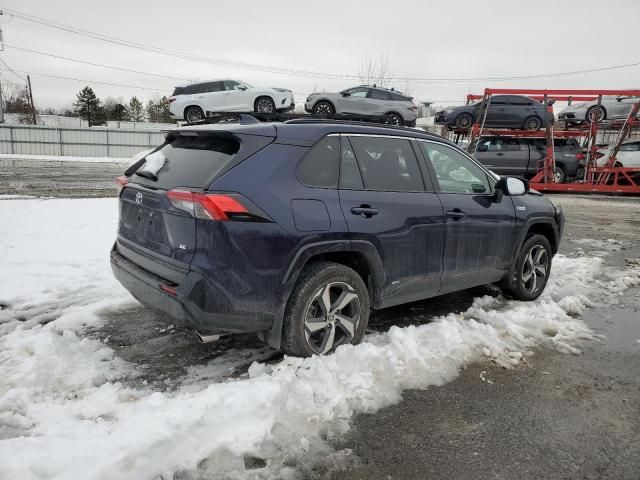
(77,142)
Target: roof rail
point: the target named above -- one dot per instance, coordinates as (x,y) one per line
(357,122)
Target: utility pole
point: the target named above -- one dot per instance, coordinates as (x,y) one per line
(33,108)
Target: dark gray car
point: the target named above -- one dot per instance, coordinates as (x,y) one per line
(505,111)
(367,101)
(522,157)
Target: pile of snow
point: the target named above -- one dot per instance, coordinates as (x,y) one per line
(68,158)
(65,412)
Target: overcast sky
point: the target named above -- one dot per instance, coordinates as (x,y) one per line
(424,39)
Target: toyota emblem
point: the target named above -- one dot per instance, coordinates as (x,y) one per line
(139,198)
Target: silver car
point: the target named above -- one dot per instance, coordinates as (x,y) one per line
(612,107)
(367,101)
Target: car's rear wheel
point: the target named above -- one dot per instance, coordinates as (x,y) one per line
(193,114)
(464,120)
(395,119)
(532,123)
(323,108)
(559,174)
(329,307)
(596,114)
(532,269)
(264,105)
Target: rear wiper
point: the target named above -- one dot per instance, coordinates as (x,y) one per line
(147,174)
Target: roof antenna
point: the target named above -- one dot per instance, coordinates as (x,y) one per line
(374,85)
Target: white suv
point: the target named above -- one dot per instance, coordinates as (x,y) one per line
(192,102)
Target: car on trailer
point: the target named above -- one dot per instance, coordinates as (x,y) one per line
(627,156)
(612,107)
(369,101)
(523,156)
(297,230)
(503,111)
(191,102)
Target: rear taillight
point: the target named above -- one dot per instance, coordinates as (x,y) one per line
(121,182)
(580,156)
(413,108)
(169,100)
(213,206)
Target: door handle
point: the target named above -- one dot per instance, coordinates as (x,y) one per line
(499,154)
(456,214)
(365,211)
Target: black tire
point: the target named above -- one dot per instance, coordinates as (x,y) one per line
(593,111)
(304,306)
(527,283)
(264,105)
(560,174)
(193,114)
(464,120)
(394,118)
(323,108)
(532,123)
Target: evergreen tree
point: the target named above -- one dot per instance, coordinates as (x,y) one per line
(135,112)
(114,109)
(87,106)
(165,115)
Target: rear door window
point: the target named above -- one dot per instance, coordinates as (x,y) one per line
(378,95)
(387,164)
(320,166)
(350,177)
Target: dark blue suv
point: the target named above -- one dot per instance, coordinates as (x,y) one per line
(297,230)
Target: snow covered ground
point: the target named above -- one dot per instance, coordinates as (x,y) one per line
(68,407)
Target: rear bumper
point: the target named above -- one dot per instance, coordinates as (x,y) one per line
(194,303)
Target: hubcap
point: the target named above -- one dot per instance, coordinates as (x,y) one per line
(534,269)
(265,106)
(332,317)
(558,175)
(323,109)
(395,120)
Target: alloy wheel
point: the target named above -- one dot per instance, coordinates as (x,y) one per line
(264,105)
(323,108)
(532,124)
(194,115)
(464,120)
(534,269)
(332,317)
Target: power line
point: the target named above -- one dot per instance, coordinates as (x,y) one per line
(9,69)
(291,71)
(113,67)
(87,81)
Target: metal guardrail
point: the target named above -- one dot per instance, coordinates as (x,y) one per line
(89,142)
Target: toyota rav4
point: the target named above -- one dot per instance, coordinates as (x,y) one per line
(298,230)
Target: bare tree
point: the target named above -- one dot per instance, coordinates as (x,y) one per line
(375,71)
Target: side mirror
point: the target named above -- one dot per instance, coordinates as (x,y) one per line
(345,94)
(619,99)
(241,87)
(483,148)
(511,186)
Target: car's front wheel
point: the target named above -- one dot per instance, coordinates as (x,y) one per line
(464,120)
(329,307)
(559,174)
(193,114)
(264,105)
(596,114)
(532,269)
(323,108)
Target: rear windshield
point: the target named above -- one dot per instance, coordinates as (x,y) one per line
(194,161)
(178,91)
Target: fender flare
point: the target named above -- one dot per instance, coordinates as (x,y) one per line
(273,336)
(522,235)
